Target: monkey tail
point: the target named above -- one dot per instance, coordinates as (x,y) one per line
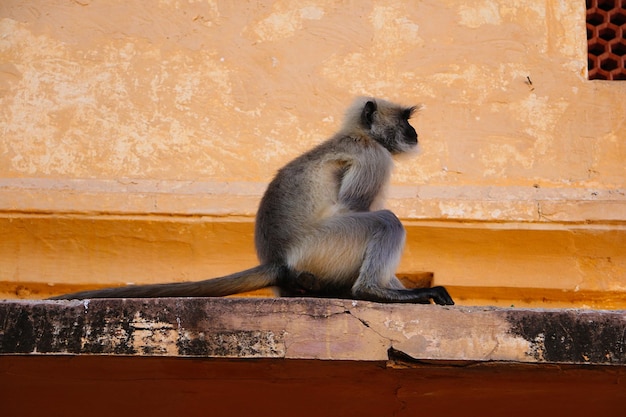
(249,280)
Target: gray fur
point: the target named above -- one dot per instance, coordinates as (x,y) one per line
(320,230)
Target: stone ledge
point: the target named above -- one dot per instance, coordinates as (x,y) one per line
(326,329)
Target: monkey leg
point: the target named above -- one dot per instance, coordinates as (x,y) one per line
(355,255)
(376,281)
(438,294)
(305,284)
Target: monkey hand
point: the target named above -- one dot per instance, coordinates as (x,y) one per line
(440,296)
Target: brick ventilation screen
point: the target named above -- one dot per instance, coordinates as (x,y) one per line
(606,39)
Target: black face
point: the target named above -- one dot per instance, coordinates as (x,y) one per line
(405,136)
(390,129)
(408,131)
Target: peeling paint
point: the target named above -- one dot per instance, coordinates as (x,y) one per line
(153,337)
(563,337)
(310,329)
(285,21)
(105,97)
(480,13)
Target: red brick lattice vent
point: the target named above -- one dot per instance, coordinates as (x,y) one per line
(606,39)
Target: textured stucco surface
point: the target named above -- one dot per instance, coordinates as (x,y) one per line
(226,91)
(137,138)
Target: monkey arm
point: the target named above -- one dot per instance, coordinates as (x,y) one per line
(363,180)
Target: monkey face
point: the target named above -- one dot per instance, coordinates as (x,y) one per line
(408,132)
(389,125)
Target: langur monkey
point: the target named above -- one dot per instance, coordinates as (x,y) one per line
(320,230)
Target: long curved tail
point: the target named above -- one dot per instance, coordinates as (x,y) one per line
(249,280)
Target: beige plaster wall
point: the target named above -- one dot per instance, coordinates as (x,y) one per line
(228,91)
(187,108)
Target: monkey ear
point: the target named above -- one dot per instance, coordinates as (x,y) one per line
(367,115)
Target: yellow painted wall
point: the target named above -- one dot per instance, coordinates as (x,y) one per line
(137,137)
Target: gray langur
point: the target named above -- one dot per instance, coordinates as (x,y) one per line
(320,229)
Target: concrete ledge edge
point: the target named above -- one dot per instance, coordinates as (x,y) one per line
(328,329)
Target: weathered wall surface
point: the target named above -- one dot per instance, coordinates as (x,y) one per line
(187,108)
(311,329)
(223,91)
